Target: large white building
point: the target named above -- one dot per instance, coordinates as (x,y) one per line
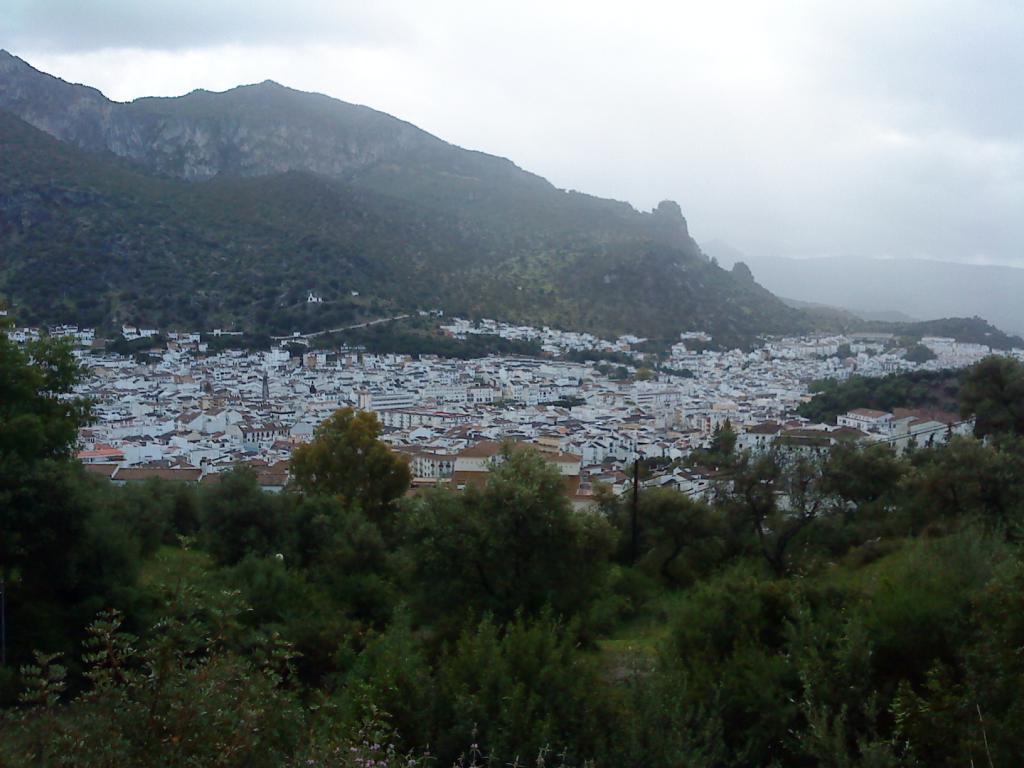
(378,400)
(866,420)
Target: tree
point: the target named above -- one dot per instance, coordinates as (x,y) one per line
(522,686)
(670,523)
(727,652)
(721,452)
(60,550)
(156,512)
(918,353)
(182,698)
(862,475)
(968,478)
(346,459)
(723,440)
(993,393)
(779,496)
(37,418)
(239,519)
(515,544)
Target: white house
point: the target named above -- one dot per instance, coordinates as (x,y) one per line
(866,420)
(759,438)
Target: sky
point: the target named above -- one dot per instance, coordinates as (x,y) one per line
(872,128)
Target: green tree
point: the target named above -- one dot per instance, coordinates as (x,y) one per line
(995,666)
(919,353)
(38,419)
(862,476)
(62,553)
(672,523)
(644,374)
(779,496)
(723,440)
(185,698)
(663,724)
(239,519)
(965,479)
(348,555)
(515,544)
(157,512)
(993,393)
(722,450)
(346,459)
(728,648)
(518,688)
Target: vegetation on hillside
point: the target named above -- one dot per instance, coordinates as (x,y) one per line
(968,330)
(939,390)
(421,336)
(92,239)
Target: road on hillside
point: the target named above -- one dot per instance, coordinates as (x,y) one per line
(329,331)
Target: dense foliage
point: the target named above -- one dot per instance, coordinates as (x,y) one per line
(993,394)
(917,389)
(861,608)
(919,353)
(420,336)
(969,330)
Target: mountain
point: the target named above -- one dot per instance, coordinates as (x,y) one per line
(914,287)
(848,315)
(230,207)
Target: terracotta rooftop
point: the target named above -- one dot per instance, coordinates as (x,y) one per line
(183,475)
(489,448)
(101,453)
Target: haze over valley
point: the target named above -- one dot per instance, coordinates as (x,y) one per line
(892,288)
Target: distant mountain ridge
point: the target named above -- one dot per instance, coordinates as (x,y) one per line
(243,201)
(850,315)
(915,287)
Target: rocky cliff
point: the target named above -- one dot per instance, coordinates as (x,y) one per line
(477,233)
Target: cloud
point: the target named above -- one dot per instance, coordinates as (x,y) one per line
(172,25)
(804,128)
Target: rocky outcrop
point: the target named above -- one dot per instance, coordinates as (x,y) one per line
(342,191)
(249,131)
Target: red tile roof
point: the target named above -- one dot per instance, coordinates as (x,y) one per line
(131,474)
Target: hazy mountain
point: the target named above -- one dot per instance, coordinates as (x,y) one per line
(849,315)
(230,207)
(911,287)
(265,129)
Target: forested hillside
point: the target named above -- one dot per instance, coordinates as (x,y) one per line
(230,207)
(857,610)
(939,390)
(969,330)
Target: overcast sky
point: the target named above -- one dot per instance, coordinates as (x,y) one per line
(876,128)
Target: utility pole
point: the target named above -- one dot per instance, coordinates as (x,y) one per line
(3,622)
(636,506)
